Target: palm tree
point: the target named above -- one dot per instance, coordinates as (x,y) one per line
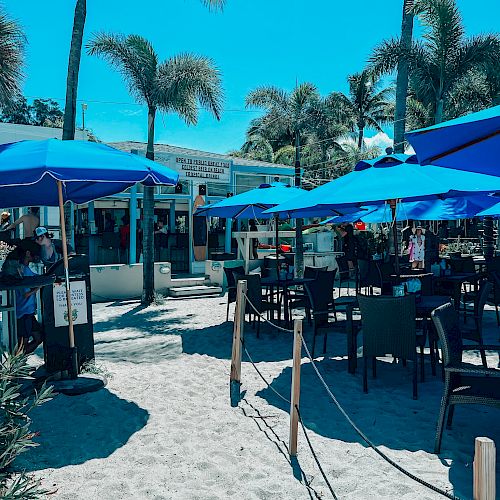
(12,43)
(443,58)
(178,85)
(293,114)
(75,53)
(367,105)
(402,79)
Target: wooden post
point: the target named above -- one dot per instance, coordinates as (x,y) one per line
(238,328)
(295,394)
(484,469)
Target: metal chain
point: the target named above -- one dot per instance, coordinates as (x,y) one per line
(367,440)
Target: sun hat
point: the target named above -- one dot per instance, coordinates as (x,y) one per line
(39,231)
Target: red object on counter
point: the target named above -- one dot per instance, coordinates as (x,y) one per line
(360,226)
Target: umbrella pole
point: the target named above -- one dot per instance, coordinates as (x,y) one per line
(393,204)
(72,347)
(276,229)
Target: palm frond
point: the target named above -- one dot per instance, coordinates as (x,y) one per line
(12,45)
(186,80)
(268,98)
(214,4)
(134,57)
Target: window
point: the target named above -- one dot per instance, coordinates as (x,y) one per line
(245,182)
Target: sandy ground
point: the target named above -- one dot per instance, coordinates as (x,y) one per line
(164,428)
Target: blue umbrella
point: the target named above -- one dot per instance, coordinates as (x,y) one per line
(51,172)
(251,204)
(448,209)
(389,178)
(87,170)
(470,143)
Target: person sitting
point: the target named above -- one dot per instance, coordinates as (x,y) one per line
(29,331)
(50,249)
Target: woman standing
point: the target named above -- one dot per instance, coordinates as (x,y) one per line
(417,249)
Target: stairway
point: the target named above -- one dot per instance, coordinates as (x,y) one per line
(192,288)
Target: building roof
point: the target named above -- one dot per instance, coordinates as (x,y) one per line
(167,148)
(12,132)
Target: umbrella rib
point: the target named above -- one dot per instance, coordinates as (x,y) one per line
(464,146)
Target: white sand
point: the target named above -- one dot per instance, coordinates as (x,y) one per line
(164,427)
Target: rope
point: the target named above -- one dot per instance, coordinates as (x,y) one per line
(300,420)
(262,376)
(367,440)
(264,318)
(314,454)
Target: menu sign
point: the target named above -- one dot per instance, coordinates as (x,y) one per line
(205,169)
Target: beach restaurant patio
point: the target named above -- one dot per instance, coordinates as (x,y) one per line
(428,320)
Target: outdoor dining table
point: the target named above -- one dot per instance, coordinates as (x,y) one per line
(284,285)
(424,307)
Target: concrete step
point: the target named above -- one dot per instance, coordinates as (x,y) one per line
(194,291)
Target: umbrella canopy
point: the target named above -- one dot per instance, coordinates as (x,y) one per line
(88,170)
(384,178)
(251,204)
(448,209)
(470,143)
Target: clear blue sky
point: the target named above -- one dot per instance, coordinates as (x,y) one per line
(253,42)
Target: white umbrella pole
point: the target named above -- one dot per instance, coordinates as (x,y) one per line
(74,360)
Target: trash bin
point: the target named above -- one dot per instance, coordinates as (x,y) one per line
(54,312)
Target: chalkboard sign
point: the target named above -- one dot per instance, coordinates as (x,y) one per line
(200,232)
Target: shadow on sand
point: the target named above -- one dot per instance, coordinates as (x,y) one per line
(74,430)
(387,414)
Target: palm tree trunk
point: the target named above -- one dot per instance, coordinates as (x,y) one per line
(148,289)
(360,137)
(75,52)
(438,117)
(299,240)
(402,79)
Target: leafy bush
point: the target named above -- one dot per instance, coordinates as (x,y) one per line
(15,434)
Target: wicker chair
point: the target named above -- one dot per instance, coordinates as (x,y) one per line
(231,285)
(320,294)
(344,273)
(254,295)
(369,276)
(388,327)
(464,383)
(475,334)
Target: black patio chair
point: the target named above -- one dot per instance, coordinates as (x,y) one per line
(368,277)
(464,383)
(388,327)
(256,303)
(320,297)
(494,298)
(475,334)
(343,273)
(231,285)
(300,298)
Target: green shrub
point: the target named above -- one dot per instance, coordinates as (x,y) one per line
(15,434)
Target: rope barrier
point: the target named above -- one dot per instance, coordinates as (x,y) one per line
(264,318)
(314,454)
(367,440)
(262,376)
(344,413)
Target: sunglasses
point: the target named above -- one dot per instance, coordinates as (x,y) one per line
(41,237)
